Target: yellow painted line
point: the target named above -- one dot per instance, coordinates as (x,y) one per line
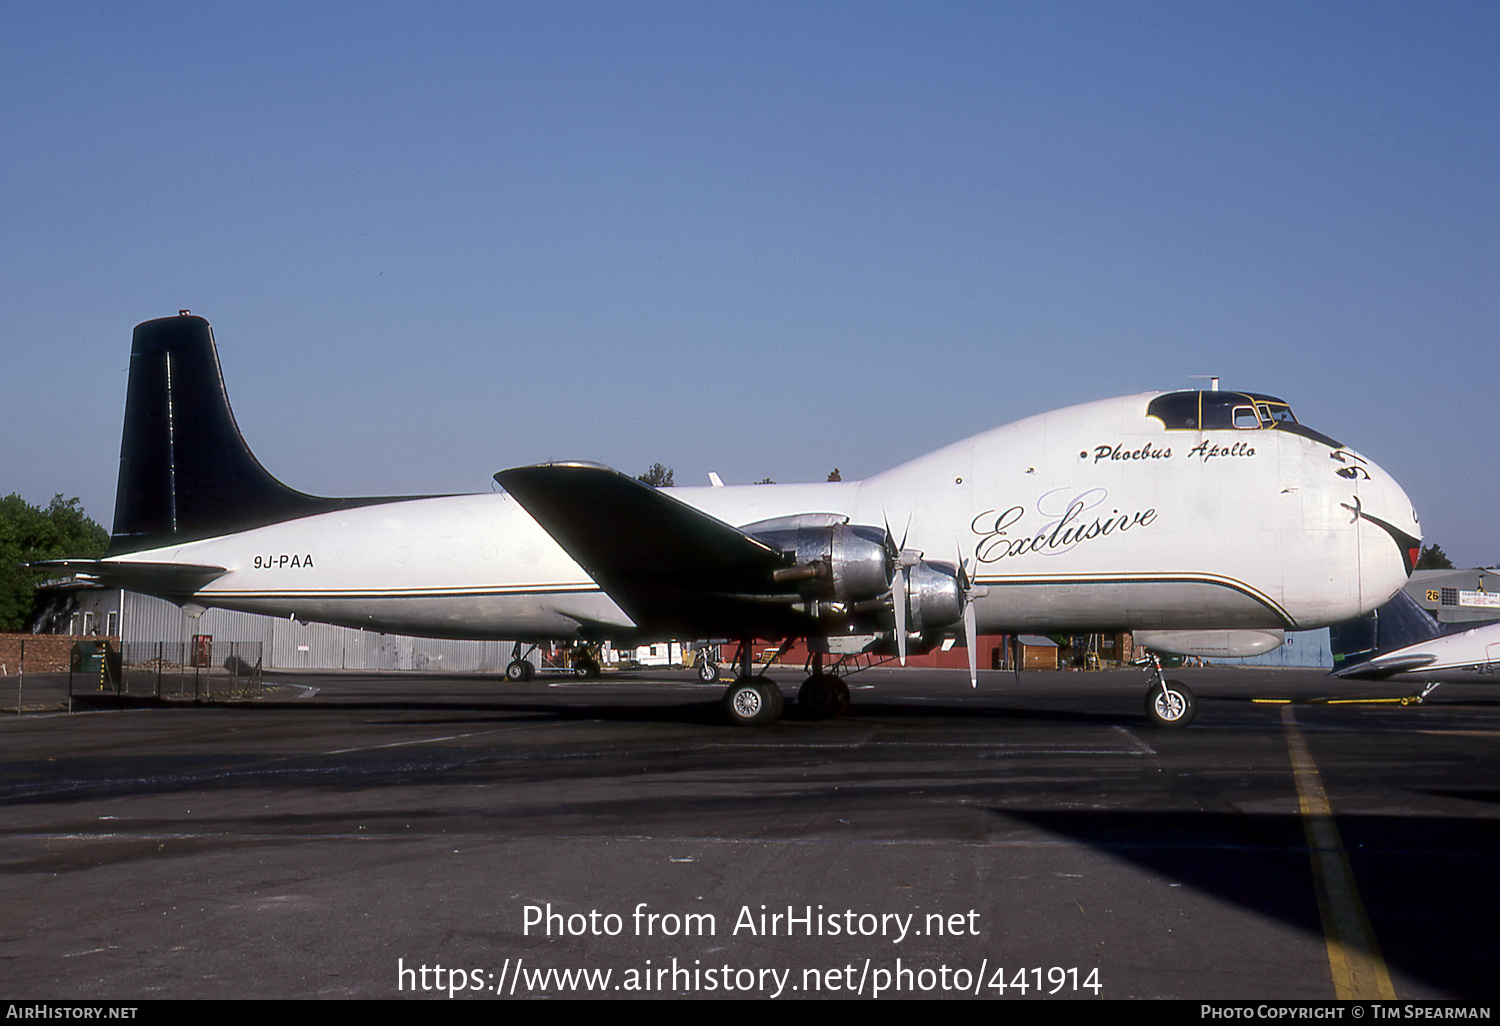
(1359,972)
(1462,733)
(1408,700)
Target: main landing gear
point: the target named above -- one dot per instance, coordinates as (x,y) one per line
(520,668)
(823,695)
(1169,703)
(753,700)
(582,659)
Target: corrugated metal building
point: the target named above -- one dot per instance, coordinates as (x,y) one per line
(287,644)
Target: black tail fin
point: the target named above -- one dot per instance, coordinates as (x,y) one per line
(185,470)
(1397,624)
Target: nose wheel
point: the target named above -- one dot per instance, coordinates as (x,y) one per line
(1169,703)
(706,668)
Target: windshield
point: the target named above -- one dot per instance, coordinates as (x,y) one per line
(1202,410)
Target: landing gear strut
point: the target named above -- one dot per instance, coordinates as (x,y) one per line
(1169,703)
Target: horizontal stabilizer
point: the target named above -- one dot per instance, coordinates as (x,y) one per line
(163,579)
(662,560)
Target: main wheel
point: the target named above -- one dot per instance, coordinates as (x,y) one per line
(1170,704)
(824,696)
(753,702)
(586,667)
(517,670)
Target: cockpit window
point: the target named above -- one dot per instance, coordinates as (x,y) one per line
(1178,411)
(1201,410)
(1272,414)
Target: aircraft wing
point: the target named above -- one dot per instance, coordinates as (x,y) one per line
(1381,668)
(673,568)
(166,579)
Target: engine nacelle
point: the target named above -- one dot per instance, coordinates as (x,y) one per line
(934,597)
(832,562)
(853,565)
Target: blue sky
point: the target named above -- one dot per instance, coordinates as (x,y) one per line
(762,239)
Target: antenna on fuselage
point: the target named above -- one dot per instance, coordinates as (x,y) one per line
(1212,379)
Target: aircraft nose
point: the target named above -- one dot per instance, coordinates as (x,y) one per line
(1390,539)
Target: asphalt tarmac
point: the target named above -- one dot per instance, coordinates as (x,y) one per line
(414,835)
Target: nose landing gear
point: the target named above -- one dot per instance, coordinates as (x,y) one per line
(1169,703)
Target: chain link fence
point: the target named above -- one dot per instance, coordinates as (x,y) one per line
(201,670)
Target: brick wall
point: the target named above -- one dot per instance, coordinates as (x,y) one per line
(45,653)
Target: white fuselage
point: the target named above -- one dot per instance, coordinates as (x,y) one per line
(1089,518)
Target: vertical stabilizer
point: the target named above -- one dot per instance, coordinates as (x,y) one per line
(185,470)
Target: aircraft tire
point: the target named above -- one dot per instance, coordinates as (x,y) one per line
(516,671)
(753,702)
(824,697)
(708,671)
(586,668)
(1171,705)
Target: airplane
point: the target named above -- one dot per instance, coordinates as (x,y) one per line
(1189,511)
(1401,642)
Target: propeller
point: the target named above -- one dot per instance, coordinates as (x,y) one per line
(971,630)
(900,561)
(898,606)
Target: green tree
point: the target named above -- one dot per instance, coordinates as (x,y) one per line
(1433,558)
(657,477)
(29,533)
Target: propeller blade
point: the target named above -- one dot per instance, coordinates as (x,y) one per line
(971,638)
(892,553)
(971,631)
(898,606)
